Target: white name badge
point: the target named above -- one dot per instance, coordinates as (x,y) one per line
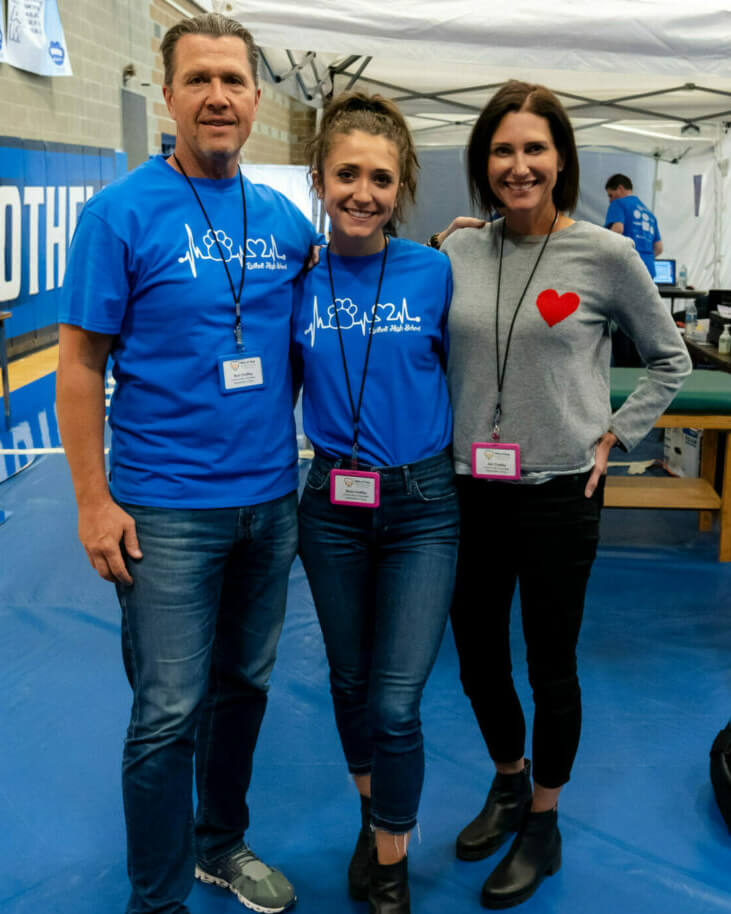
(355,487)
(495,461)
(239,372)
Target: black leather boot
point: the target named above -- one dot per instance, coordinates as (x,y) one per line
(504,810)
(534,853)
(389,887)
(360,861)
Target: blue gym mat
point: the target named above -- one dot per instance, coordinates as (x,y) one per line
(641,832)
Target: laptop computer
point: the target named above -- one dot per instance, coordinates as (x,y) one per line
(665,273)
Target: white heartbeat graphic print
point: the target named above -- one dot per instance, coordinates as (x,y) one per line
(261,254)
(389,319)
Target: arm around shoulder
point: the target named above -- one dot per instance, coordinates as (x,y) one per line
(460,222)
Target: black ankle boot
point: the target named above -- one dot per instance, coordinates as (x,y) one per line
(504,810)
(389,887)
(364,846)
(535,853)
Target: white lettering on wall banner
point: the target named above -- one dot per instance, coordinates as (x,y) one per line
(45,212)
(43,188)
(2,34)
(35,40)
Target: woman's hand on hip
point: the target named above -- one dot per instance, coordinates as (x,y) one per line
(601,459)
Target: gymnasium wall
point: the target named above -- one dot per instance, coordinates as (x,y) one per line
(62,136)
(43,186)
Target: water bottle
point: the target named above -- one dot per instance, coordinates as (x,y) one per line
(683,277)
(691,319)
(724,341)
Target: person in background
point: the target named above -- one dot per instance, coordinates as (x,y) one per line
(629,216)
(378,516)
(528,371)
(197,524)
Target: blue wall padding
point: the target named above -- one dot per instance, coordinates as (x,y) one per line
(35,176)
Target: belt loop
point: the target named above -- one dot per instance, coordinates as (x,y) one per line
(407,478)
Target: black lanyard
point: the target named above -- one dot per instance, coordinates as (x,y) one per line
(235,295)
(501,370)
(355,411)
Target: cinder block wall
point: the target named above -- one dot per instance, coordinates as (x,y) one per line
(103,37)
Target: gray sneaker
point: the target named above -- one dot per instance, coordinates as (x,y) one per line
(255,884)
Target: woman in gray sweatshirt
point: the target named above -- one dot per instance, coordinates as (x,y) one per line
(529,325)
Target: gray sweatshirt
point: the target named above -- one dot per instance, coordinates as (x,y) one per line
(555,399)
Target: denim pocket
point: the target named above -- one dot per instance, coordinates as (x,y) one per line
(436,487)
(318,476)
(598,496)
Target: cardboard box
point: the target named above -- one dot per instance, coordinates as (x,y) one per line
(682,447)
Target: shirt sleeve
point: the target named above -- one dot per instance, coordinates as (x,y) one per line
(449,288)
(646,319)
(295,350)
(615,213)
(96,283)
(308,234)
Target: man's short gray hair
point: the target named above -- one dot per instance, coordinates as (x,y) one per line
(213,24)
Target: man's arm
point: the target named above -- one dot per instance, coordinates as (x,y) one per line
(103,525)
(617,227)
(657,248)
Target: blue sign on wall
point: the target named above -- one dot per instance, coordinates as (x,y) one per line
(34,424)
(42,189)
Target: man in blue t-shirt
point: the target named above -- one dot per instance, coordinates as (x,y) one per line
(183,271)
(629,216)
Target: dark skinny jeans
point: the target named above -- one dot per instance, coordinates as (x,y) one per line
(543,537)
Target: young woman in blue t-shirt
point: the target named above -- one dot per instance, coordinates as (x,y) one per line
(378,517)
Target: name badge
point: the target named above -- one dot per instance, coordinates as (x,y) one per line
(355,487)
(495,461)
(240,372)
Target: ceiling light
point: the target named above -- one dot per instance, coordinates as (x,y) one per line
(655,133)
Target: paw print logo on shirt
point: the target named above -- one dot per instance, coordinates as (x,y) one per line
(347,310)
(227,246)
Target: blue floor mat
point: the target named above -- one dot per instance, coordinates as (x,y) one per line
(640,829)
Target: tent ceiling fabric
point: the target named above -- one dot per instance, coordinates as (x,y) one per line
(419,49)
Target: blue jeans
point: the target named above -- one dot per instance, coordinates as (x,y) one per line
(382,581)
(200,626)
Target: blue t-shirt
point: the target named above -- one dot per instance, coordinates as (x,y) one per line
(144,266)
(405,414)
(639,224)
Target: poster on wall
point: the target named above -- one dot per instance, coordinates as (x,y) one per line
(34,39)
(2,34)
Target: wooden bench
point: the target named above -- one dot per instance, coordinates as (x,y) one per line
(4,315)
(704,402)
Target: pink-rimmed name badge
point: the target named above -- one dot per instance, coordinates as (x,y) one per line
(355,487)
(495,461)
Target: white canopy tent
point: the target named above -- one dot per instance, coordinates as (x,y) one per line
(652,77)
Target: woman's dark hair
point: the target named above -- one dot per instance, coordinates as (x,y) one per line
(372,114)
(520,96)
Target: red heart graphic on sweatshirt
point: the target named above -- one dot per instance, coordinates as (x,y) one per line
(554,307)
